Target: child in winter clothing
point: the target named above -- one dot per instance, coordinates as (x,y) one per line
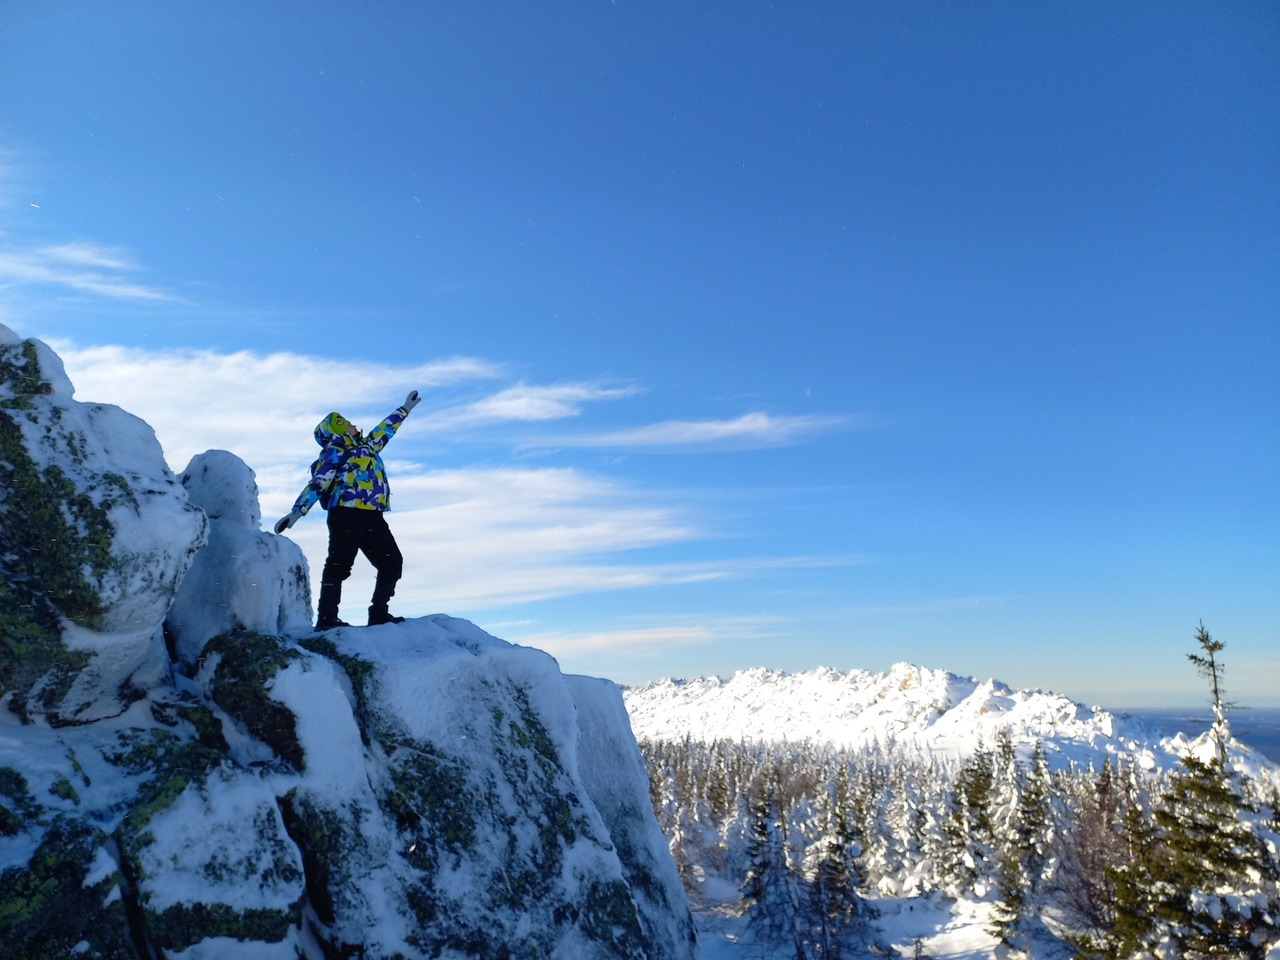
(350,482)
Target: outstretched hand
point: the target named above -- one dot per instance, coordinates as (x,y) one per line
(411,401)
(284,523)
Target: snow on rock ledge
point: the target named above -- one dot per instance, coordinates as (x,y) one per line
(409,791)
(95,534)
(243,579)
(479,828)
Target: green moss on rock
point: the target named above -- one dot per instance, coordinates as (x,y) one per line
(18,809)
(46,909)
(607,914)
(20,372)
(325,841)
(247,662)
(54,542)
(434,807)
(171,763)
(63,789)
(182,925)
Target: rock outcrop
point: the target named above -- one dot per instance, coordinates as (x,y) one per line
(243,579)
(407,791)
(95,535)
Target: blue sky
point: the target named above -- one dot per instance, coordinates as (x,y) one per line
(749,335)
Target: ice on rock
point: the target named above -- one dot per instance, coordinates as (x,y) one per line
(243,578)
(95,534)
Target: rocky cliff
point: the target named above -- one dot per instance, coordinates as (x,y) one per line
(188,771)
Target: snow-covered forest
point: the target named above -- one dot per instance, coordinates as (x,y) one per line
(807,841)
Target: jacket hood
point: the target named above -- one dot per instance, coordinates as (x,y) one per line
(333,429)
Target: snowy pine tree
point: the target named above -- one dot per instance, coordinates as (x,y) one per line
(1216,883)
(1090,846)
(769,889)
(969,860)
(1026,856)
(839,919)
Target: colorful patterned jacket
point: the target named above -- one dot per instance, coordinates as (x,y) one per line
(349,472)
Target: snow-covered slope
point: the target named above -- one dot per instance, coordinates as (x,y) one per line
(406,791)
(909,707)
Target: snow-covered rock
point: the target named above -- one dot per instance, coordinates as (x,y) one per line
(95,534)
(243,578)
(413,790)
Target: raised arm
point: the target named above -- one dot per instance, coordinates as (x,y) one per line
(383,432)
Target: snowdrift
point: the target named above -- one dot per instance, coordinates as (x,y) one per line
(188,771)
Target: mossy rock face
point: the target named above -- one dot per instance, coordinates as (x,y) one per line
(448,815)
(71,559)
(169,763)
(20,375)
(247,662)
(332,848)
(182,926)
(47,911)
(51,536)
(18,809)
(255,864)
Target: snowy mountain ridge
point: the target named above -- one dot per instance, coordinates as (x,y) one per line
(908,707)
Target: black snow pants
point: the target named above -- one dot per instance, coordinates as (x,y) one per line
(352,531)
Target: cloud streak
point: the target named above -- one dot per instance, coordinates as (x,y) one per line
(650,641)
(747,432)
(261,407)
(474,538)
(80,266)
(529,403)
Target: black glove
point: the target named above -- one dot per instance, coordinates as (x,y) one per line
(284,523)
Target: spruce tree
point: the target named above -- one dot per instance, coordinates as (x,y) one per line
(1092,844)
(839,918)
(969,826)
(1209,667)
(769,890)
(1025,861)
(1200,881)
(1216,883)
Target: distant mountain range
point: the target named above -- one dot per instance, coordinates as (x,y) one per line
(908,708)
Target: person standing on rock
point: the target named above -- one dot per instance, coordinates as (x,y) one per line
(350,482)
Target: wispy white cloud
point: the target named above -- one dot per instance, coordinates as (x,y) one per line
(648,641)
(81,266)
(473,539)
(261,407)
(478,538)
(89,255)
(78,265)
(749,431)
(525,402)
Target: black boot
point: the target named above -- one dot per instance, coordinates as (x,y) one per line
(330,597)
(379,613)
(384,589)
